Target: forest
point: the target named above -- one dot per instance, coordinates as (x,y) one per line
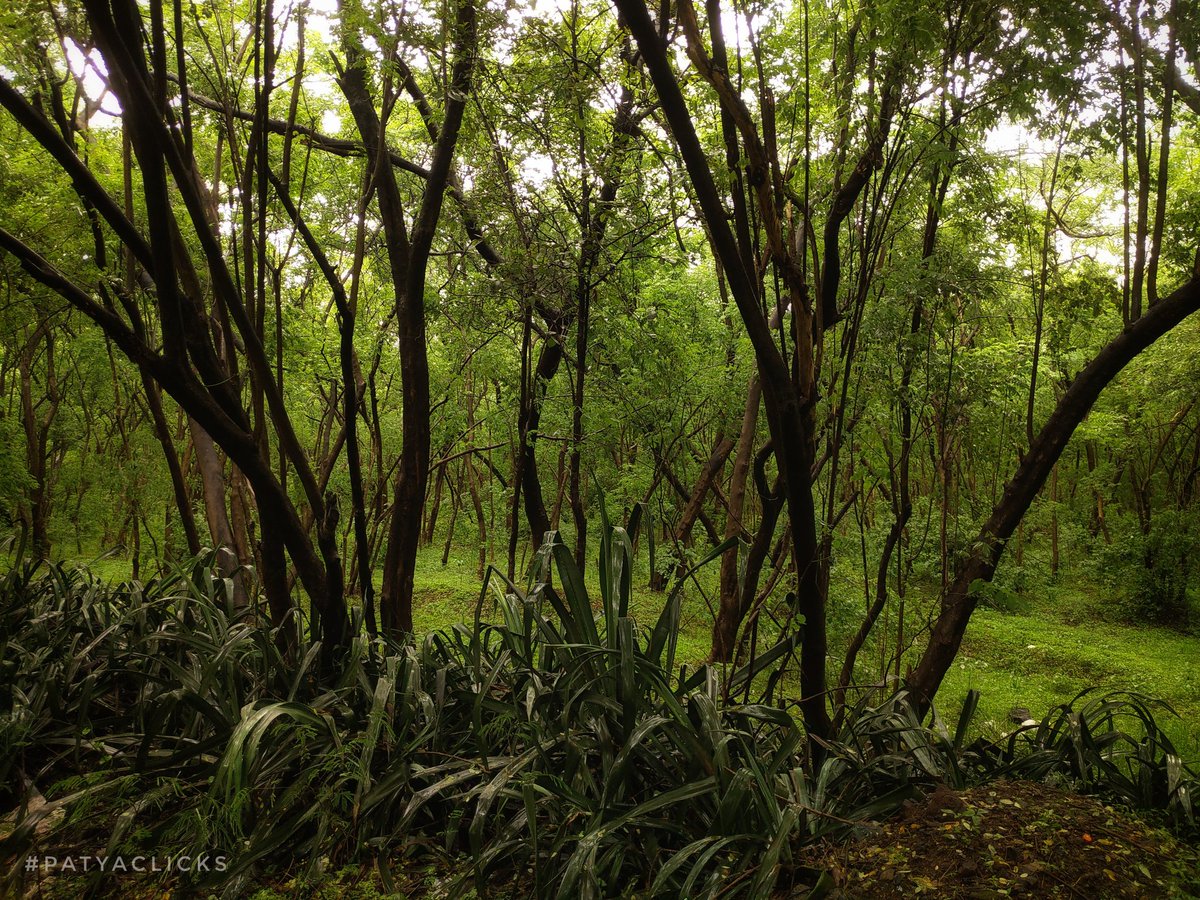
(556,448)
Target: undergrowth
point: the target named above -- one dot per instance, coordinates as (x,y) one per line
(554,742)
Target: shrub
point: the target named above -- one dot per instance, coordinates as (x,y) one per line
(557,745)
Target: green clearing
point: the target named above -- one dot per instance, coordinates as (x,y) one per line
(1035,658)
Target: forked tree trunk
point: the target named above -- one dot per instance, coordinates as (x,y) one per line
(435,506)
(408,260)
(188,366)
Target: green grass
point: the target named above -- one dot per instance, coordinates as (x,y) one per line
(1043,655)
(444,595)
(592,746)
(1036,660)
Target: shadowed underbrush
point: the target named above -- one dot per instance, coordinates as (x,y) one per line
(554,743)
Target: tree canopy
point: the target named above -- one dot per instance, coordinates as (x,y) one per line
(871,297)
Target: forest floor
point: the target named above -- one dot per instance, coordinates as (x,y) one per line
(1004,839)
(1061,641)
(997,840)
(1008,839)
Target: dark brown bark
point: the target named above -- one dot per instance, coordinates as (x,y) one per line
(1164,155)
(275,587)
(788,404)
(455,503)
(216,490)
(959,601)
(408,260)
(206,392)
(183,500)
(473,480)
(726,623)
(1142,158)
(431,516)
(704,483)
(548,362)
(684,494)
(519,454)
(730,619)
(36,418)
(351,404)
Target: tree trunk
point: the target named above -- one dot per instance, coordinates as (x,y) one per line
(704,483)
(183,501)
(959,601)
(212,480)
(36,428)
(432,515)
(727,620)
(408,261)
(549,358)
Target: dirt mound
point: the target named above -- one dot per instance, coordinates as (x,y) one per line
(1009,839)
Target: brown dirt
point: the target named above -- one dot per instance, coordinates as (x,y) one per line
(1008,839)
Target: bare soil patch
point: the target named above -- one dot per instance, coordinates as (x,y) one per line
(1009,839)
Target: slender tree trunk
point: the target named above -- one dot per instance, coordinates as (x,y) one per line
(473,480)
(455,502)
(408,259)
(212,480)
(726,624)
(549,358)
(183,501)
(436,504)
(1054,522)
(521,458)
(36,429)
(704,484)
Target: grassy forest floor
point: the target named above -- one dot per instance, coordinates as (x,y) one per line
(1062,640)
(999,839)
(1060,643)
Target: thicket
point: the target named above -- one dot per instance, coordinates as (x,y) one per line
(552,742)
(886,304)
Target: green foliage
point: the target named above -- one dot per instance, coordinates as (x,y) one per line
(552,740)
(1152,573)
(1043,658)
(997,596)
(1109,743)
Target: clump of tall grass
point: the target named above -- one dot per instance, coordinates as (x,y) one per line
(1107,743)
(553,740)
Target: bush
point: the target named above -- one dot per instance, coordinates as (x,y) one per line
(558,746)
(1158,568)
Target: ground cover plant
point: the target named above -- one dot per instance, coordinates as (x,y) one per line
(548,743)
